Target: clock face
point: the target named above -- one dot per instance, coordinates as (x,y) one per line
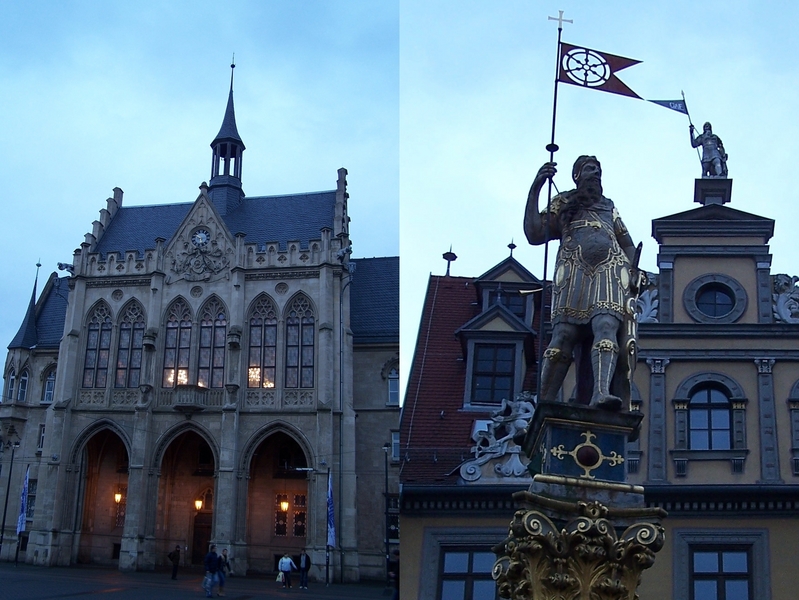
(200,238)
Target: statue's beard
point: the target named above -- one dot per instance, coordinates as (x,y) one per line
(589,190)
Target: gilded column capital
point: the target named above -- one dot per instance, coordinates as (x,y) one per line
(658,365)
(764,365)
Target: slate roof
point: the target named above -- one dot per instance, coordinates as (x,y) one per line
(228,131)
(374,301)
(43,325)
(293,217)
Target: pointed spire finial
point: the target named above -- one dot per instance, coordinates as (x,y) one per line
(232,66)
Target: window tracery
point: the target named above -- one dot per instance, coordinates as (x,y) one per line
(129,347)
(300,344)
(263,344)
(177,344)
(213,331)
(98,347)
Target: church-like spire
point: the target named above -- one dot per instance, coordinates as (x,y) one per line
(225,185)
(26,336)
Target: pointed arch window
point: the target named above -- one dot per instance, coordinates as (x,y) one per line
(213,331)
(129,349)
(22,390)
(177,345)
(12,380)
(263,344)
(49,387)
(98,346)
(300,344)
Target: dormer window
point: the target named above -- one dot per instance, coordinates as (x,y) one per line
(510,299)
(493,373)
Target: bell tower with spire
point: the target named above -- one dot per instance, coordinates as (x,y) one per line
(224,188)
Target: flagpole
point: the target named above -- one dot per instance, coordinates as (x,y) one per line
(685,104)
(552,147)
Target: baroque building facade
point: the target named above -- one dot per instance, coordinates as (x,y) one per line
(197,377)
(717,381)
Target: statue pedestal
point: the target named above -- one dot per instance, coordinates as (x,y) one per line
(581,531)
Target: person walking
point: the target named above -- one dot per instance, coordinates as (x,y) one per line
(211,563)
(305,564)
(285,565)
(174,556)
(224,569)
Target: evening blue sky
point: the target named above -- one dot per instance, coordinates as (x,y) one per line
(98,95)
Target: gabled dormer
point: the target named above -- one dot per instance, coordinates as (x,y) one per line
(202,248)
(511,285)
(497,343)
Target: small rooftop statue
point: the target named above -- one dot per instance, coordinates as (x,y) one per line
(596,277)
(714,158)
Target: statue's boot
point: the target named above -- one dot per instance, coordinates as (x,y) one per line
(555,365)
(603,358)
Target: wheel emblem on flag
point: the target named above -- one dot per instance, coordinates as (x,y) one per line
(586,67)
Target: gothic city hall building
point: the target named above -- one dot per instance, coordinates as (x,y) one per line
(208,371)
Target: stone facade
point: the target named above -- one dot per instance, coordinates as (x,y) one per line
(201,386)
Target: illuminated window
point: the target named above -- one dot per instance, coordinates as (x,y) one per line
(213,331)
(129,348)
(263,344)
(98,345)
(281,515)
(177,345)
(299,515)
(300,344)
(122,506)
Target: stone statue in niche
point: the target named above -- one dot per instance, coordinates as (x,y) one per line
(594,289)
(714,158)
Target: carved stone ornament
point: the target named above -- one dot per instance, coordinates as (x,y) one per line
(785,298)
(583,559)
(646,307)
(494,444)
(202,250)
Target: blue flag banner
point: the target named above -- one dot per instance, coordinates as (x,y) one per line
(23,503)
(331,521)
(678,105)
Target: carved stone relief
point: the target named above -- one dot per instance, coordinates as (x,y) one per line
(785,298)
(202,250)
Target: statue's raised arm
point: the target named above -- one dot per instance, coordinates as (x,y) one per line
(534,225)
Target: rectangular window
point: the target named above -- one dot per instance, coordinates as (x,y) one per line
(281,514)
(465,574)
(493,373)
(212,353)
(720,573)
(513,301)
(98,350)
(177,344)
(393,388)
(49,387)
(395,445)
(299,515)
(40,443)
(393,518)
(129,354)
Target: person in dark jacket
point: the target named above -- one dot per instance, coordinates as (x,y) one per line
(305,564)
(211,563)
(174,556)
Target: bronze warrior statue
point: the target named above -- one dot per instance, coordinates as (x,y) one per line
(714,158)
(593,290)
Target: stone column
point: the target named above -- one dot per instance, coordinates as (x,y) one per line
(224,533)
(133,555)
(657,444)
(769,451)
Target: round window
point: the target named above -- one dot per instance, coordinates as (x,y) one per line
(715,300)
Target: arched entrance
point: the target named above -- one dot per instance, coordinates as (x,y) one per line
(104,498)
(277,502)
(185,498)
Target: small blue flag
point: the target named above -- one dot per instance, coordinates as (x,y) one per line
(331,521)
(23,504)
(678,105)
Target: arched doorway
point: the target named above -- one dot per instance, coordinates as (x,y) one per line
(104,498)
(185,498)
(277,502)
